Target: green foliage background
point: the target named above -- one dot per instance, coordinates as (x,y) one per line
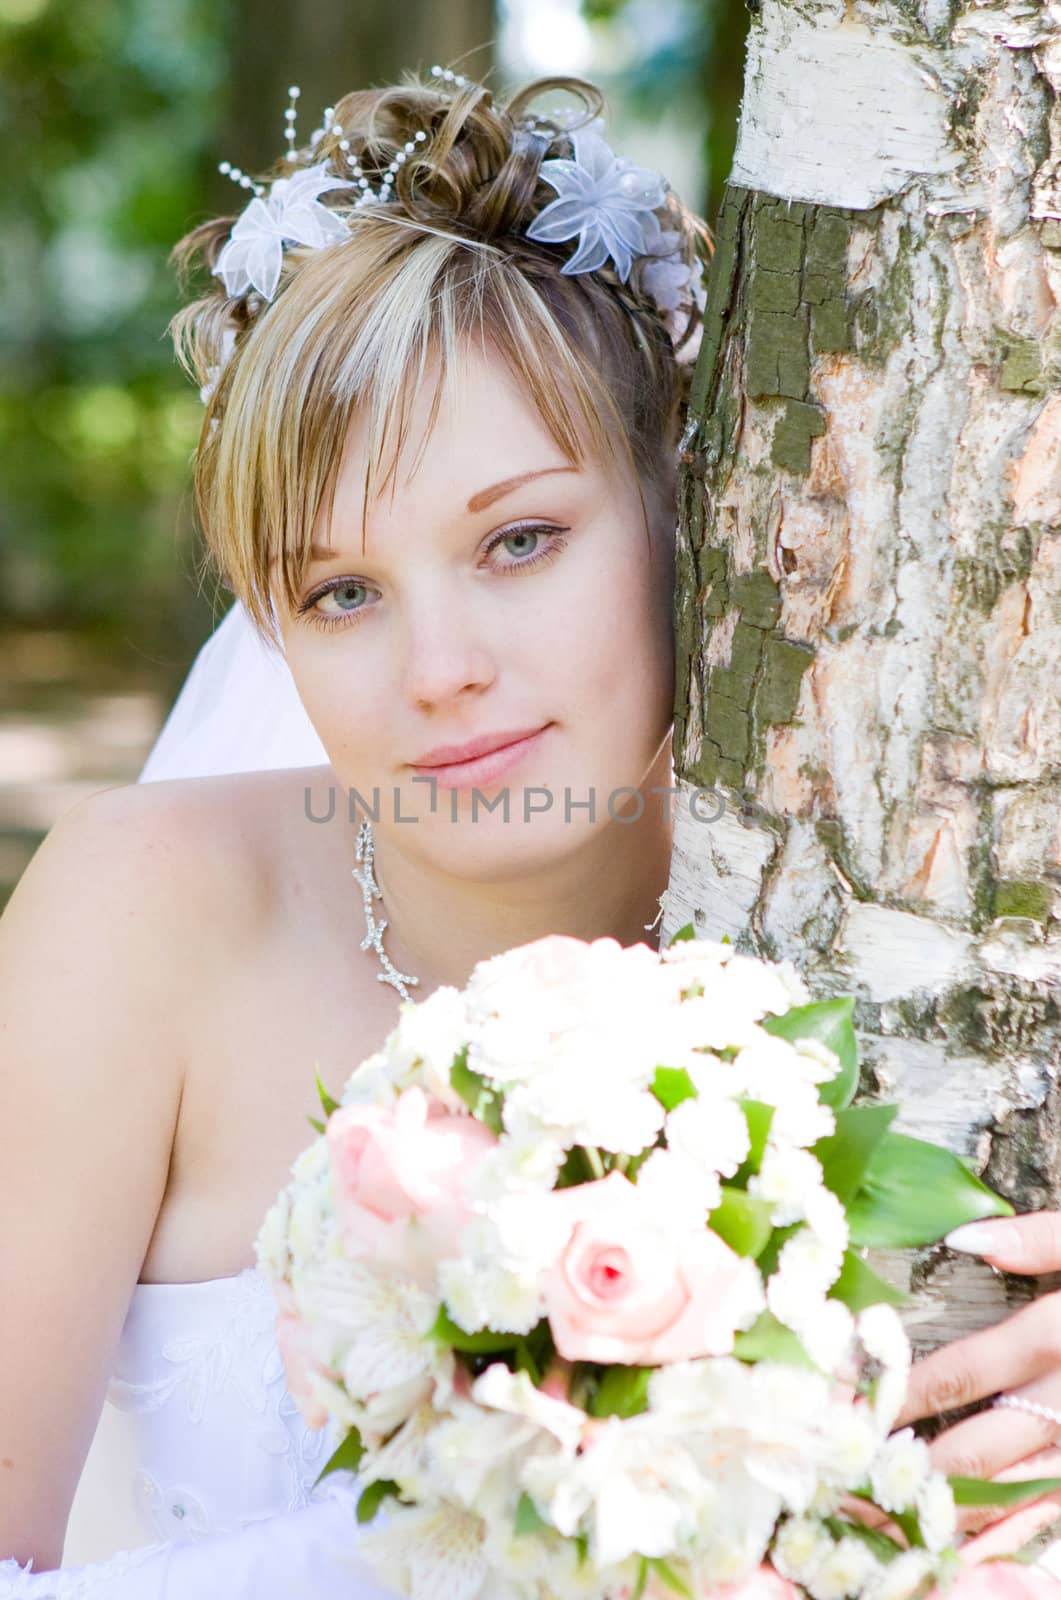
(109,118)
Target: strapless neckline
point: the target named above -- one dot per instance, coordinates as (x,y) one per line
(205,1283)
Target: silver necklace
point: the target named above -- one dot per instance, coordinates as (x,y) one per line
(374,937)
(370,890)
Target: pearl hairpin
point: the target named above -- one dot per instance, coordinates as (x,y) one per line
(449,76)
(290,118)
(240,178)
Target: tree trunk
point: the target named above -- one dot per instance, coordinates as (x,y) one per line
(869,601)
(328,47)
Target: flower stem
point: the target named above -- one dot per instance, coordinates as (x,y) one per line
(593,1160)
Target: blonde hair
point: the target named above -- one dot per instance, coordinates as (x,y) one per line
(355,326)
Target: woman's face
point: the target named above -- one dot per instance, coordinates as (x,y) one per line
(502,590)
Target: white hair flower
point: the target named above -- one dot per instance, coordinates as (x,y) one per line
(292,213)
(604,200)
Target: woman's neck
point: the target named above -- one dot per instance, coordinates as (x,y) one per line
(438,927)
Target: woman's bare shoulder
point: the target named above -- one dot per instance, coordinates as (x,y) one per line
(208,847)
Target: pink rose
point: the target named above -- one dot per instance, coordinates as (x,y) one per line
(763,1584)
(300,1365)
(401,1176)
(634,1287)
(1002,1580)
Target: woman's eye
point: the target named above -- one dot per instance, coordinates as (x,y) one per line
(533,543)
(313,610)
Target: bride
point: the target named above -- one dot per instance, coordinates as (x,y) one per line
(445,363)
(442,355)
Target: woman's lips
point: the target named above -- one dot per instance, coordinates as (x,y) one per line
(484,769)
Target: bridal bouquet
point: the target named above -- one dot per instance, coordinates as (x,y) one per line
(575,1271)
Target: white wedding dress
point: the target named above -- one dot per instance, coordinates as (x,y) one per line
(209,1469)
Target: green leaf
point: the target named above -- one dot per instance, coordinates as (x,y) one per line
(858,1286)
(913,1193)
(347,1458)
(769,1340)
(982,1492)
(758,1115)
(642,1578)
(671,1086)
(622,1392)
(373,1497)
(767,1261)
(882,1546)
(742,1221)
(482,1099)
(669,1577)
(315,1124)
(846,1154)
(828,1021)
(484,1343)
(528,1518)
(329,1104)
(688,932)
(906,1520)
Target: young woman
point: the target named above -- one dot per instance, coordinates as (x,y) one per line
(443,360)
(444,364)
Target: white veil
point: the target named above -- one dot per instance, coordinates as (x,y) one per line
(238,711)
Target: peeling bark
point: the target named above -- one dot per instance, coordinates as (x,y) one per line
(869,601)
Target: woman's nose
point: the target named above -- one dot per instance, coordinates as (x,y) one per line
(445,651)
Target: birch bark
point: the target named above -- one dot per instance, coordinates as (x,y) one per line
(869,599)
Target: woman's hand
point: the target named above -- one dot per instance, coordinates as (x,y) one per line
(1020,1356)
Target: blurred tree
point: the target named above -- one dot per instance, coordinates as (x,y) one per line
(329,46)
(110,107)
(692,52)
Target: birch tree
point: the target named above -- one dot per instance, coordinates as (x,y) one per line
(869,591)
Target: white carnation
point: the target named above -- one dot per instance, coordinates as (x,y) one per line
(883,1336)
(902,1576)
(844,1572)
(850,1442)
(827,1334)
(801,1546)
(827,1060)
(495,1281)
(579,1101)
(429,1034)
(936,1512)
(900,1471)
(889,1393)
(482,1296)
(683,1191)
(806,1267)
(270,1247)
(786,1179)
(712,1133)
(527,1159)
(372,1083)
(827,1219)
(801,1119)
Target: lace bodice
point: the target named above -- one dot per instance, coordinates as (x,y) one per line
(218,1441)
(222,1467)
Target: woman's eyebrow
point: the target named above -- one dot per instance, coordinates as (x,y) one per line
(478,502)
(486,497)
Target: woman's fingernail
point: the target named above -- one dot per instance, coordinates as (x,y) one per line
(985,1239)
